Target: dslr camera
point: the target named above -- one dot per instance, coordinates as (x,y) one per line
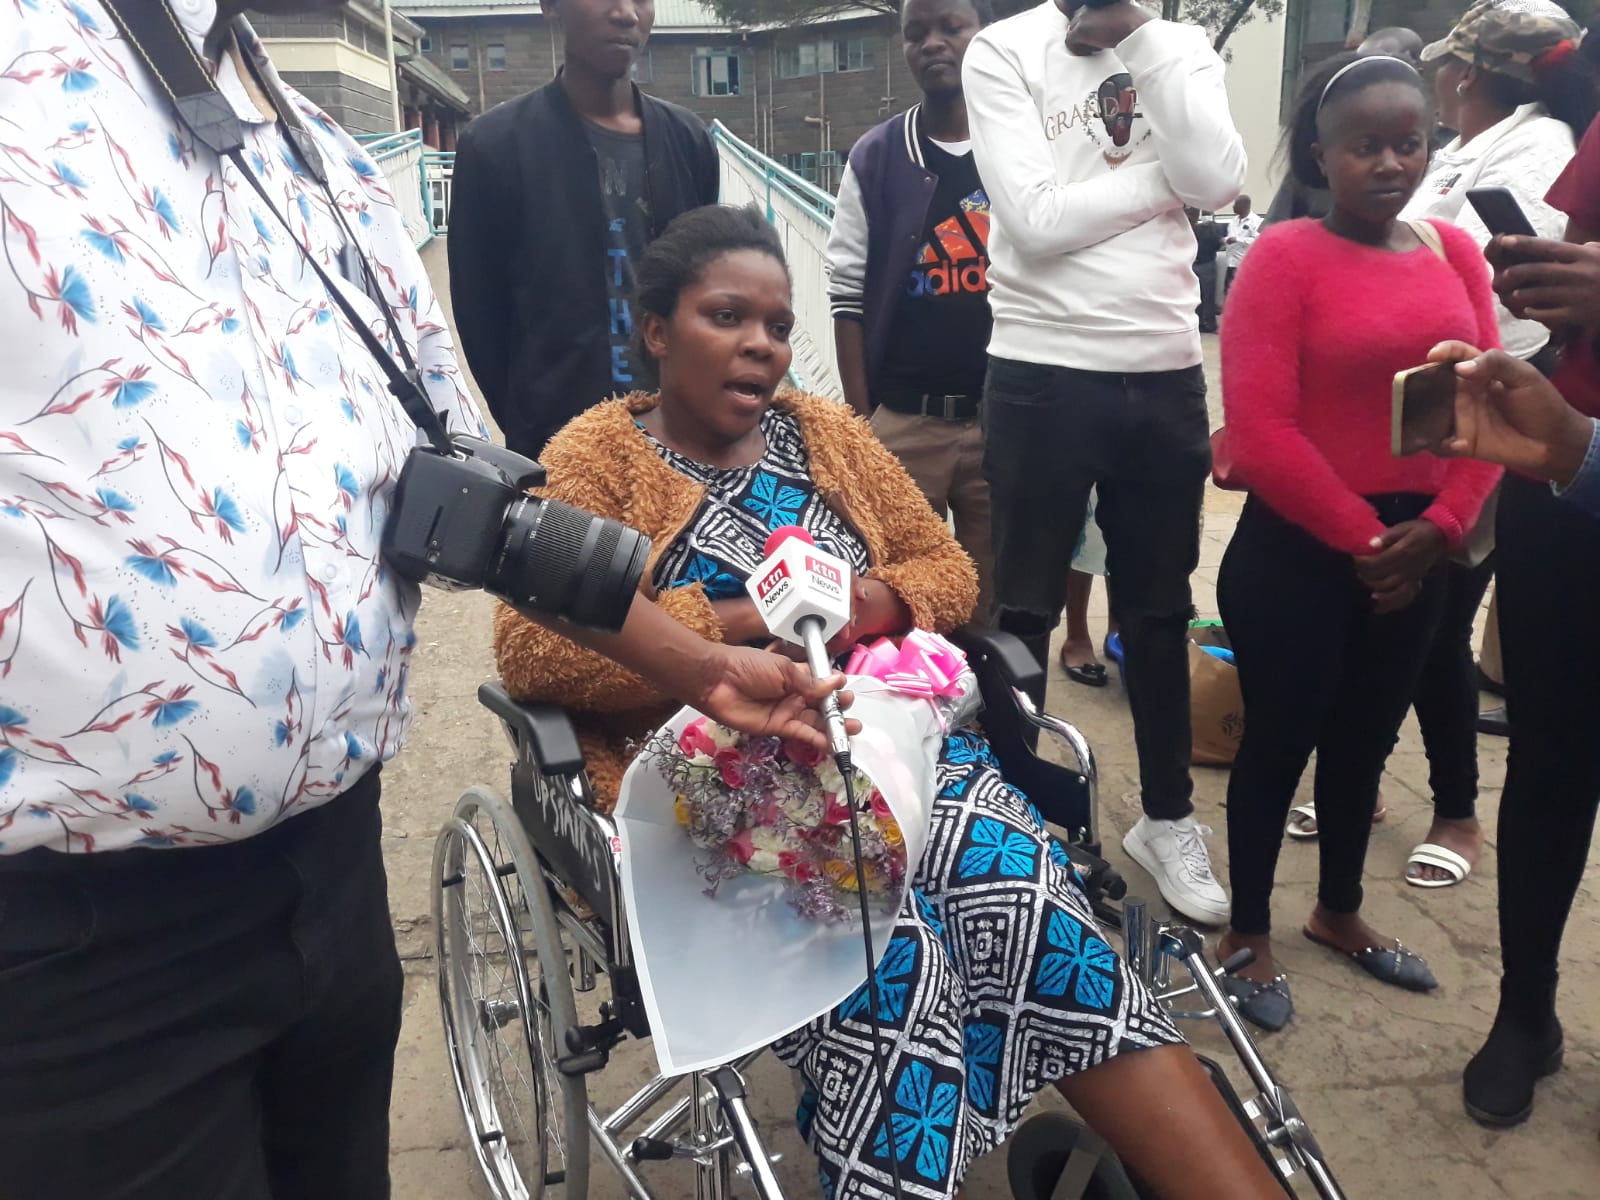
(464,519)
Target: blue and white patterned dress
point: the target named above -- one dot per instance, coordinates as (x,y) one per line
(996,981)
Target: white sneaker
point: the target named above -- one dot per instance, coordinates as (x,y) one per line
(1174,852)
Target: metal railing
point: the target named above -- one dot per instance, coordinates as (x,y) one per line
(402,157)
(803,215)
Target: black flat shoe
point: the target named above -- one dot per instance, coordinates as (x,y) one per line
(1493,721)
(1090,675)
(1387,964)
(1268,1005)
(1497,1086)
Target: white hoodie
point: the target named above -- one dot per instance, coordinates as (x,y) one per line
(1088,161)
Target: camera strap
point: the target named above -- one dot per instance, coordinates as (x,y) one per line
(160,43)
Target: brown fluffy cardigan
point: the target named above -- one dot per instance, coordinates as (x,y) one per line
(602,462)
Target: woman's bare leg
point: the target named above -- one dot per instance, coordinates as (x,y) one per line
(1160,1112)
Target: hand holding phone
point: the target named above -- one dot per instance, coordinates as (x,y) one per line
(1552,282)
(1500,212)
(1422,412)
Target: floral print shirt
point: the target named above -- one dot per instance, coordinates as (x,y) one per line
(197,637)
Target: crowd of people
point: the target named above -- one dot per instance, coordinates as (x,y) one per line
(203,659)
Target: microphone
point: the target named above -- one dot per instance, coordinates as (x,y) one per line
(804,597)
(803,594)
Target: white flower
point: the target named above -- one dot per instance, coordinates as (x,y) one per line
(722,735)
(762,861)
(769,840)
(805,809)
(828,777)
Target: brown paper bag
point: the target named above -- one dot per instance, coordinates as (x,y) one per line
(1216,709)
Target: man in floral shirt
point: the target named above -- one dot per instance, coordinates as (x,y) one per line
(199,645)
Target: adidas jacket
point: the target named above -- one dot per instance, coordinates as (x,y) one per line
(877,228)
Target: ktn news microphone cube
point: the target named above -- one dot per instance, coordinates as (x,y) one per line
(797,581)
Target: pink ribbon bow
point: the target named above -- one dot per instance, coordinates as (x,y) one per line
(923,664)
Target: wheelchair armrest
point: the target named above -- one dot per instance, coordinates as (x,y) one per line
(1005,654)
(545,729)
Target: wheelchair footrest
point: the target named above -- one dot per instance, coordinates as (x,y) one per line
(589,1046)
(649,1149)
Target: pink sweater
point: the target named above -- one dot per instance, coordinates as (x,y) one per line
(1316,328)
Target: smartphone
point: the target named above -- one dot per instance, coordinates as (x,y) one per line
(1423,410)
(1500,211)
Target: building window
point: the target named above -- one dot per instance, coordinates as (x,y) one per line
(803,165)
(854,54)
(643,70)
(495,54)
(797,60)
(801,60)
(426,44)
(714,72)
(460,58)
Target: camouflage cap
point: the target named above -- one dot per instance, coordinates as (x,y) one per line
(1506,36)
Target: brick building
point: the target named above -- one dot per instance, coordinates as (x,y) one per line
(340,61)
(803,96)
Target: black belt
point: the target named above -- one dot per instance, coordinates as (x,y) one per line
(925,404)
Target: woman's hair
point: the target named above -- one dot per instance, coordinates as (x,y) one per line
(1566,80)
(678,258)
(1327,86)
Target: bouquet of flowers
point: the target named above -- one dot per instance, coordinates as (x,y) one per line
(765,806)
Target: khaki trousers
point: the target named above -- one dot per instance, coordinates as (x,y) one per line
(945,460)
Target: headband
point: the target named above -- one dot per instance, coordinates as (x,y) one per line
(1351,66)
(1555,56)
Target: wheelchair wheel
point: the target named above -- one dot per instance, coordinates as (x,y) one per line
(506,998)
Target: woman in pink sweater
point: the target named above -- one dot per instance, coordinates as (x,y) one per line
(1331,585)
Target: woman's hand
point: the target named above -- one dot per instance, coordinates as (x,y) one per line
(1508,413)
(740,620)
(876,610)
(1402,556)
(765,694)
(1541,279)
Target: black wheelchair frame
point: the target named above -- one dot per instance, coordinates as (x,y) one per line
(528,909)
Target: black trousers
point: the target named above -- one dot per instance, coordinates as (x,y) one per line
(1206,272)
(214,1023)
(1052,433)
(1548,572)
(1320,671)
(1446,699)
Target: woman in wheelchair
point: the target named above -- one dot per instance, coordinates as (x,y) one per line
(995,982)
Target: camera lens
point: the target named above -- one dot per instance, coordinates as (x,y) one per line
(563,562)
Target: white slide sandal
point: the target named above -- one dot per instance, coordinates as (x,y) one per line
(1430,855)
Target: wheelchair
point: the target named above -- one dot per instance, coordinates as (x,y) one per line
(528,910)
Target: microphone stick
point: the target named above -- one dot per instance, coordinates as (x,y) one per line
(810,629)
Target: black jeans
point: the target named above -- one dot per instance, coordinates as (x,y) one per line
(1320,671)
(215,1023)
(1548,573)
(1052,433)
(1446,699)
